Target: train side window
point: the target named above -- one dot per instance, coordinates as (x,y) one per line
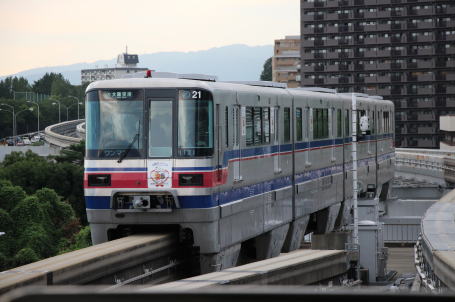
(249,126)
(266,125)
(298,124)
(316,123)
(257,126)
(378,122)
(320,123)
(226,124)
(306,122)
(360,113)
(339,123)
(287,124)
(347,124)
(386,122)
(325,123)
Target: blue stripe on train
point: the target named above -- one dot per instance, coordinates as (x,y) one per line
(116,169)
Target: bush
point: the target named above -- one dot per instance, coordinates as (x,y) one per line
(3,262)
(83,238)
(25,256)
(10,195)
(38,239)
(30,211)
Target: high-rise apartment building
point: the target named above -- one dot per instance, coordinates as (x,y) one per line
(286,61)
(403,50)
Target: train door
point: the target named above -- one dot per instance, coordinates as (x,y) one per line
(219,144)
(161,134)
(376,144)
(274,123)
(237,125)
(308,130)
(347,153)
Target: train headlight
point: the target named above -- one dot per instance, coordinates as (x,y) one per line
(187,180)
(99,180)
(141,202)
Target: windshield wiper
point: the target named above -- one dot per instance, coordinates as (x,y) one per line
(127,150)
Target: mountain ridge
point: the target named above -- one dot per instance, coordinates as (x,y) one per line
(238,62)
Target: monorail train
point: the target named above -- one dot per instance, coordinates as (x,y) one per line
(230,165)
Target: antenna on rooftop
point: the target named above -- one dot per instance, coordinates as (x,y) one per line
(126,51)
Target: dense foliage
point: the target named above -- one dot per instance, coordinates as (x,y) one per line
(42,211)
(46,91)
(266,74)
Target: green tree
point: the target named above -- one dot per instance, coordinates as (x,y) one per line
(74,154)
(10,195)
(30,211)
(10,84)
(3,261)
(44,85)
(25,256)
(266,74)
(7,241)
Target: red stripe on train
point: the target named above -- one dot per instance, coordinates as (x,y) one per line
(121,180)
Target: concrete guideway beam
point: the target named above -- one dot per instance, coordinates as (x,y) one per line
(92,263)
(302,267)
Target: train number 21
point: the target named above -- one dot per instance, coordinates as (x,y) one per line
(196,94)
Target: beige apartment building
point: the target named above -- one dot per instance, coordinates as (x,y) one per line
(286,61)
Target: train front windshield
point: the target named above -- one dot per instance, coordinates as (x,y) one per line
(116,129)
(114,124)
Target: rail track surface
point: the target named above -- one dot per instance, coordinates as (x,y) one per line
(131,260)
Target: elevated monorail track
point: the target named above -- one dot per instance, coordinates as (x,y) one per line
(64,134)
(435,248)
(134,259)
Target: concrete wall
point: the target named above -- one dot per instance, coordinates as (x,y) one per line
(44,150)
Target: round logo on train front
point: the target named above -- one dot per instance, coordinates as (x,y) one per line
(159,174)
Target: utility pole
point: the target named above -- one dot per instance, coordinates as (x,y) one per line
(38,112)
(14,121)
(77,100)
(355,235)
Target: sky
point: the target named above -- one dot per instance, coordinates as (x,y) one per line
(39,33)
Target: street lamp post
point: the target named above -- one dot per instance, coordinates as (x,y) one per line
(59,116)
(14,120)
(77,101)
(38,112)
(68,108)
(1,109)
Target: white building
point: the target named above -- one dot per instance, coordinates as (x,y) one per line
(126,64)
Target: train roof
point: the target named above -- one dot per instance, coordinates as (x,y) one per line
(211,84)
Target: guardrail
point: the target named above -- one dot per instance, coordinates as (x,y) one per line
(64,134)
(80,130)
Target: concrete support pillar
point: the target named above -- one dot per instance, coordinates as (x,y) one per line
(326,219)
(224,259)
(295,234)
(270,244)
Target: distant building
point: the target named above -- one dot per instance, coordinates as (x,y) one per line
(447,127)
(286,61)
(126,64)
